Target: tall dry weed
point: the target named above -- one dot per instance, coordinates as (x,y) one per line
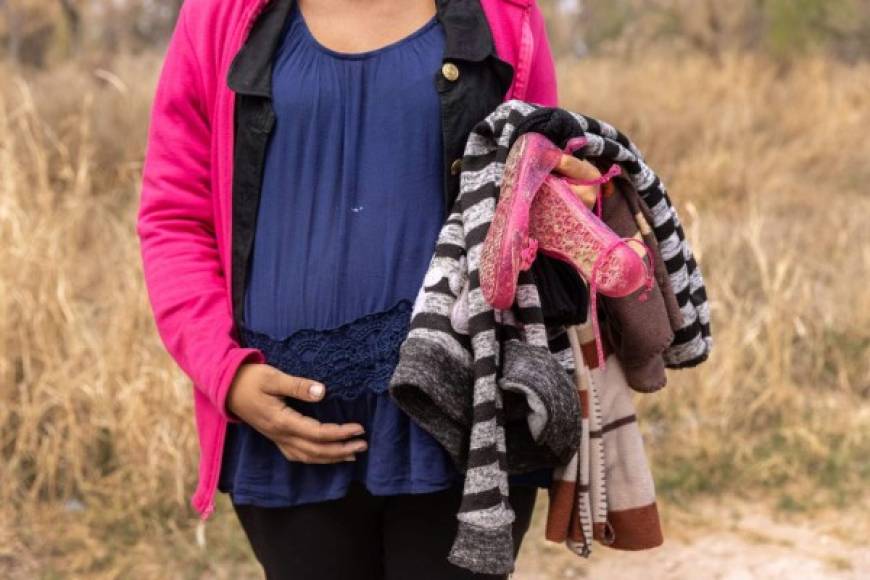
(769,168)
(96,434)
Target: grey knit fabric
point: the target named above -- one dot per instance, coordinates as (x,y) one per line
(436,391)
(465,369)
(548,402)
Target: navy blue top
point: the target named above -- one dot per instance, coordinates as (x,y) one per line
(350,211)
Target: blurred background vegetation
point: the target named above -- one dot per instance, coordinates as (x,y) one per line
(754,112)
(40,33)
(780,28)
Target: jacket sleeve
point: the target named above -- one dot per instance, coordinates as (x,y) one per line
(433,378)
(175,224)
(542,83)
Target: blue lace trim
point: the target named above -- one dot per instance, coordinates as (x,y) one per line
(349,359)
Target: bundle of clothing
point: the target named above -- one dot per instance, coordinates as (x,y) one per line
(510,390)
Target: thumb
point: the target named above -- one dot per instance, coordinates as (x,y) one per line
(575,168)
(282,384)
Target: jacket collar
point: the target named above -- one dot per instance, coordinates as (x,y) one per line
(251,70)
(467,36)
(466,30)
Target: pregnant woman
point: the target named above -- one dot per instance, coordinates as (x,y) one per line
(302,157)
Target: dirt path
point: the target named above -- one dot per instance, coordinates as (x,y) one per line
(733,540)
(748,543)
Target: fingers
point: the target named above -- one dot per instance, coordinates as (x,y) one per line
(279,383)
(291,422)
(580,169)
(588,194)
(297,449)
(303,438)
(575,168)
(299,436)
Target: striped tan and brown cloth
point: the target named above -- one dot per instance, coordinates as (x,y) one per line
(606,491)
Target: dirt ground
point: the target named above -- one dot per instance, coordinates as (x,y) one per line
(723,542)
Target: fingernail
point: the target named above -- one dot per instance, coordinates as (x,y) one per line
(315,389)
(360,447)
(358,432)
(350,458)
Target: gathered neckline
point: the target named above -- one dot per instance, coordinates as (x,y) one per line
(433,20)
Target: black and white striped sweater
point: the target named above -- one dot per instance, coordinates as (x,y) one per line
(458,343)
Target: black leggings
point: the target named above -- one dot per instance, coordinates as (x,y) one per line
(366,537)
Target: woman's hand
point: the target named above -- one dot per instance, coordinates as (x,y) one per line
(255,397)
(573,167)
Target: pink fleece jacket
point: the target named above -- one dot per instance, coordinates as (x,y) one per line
(183,221)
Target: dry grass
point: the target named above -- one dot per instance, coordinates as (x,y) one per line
(769,168)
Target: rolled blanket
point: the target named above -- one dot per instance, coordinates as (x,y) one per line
(606,492)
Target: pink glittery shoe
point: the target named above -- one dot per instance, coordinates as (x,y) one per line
(566,229)
(508,249)
(538,211)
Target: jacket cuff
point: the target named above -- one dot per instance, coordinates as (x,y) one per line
(236,358)
(433,388)
(483,550)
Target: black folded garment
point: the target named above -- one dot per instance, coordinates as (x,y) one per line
(564,294)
